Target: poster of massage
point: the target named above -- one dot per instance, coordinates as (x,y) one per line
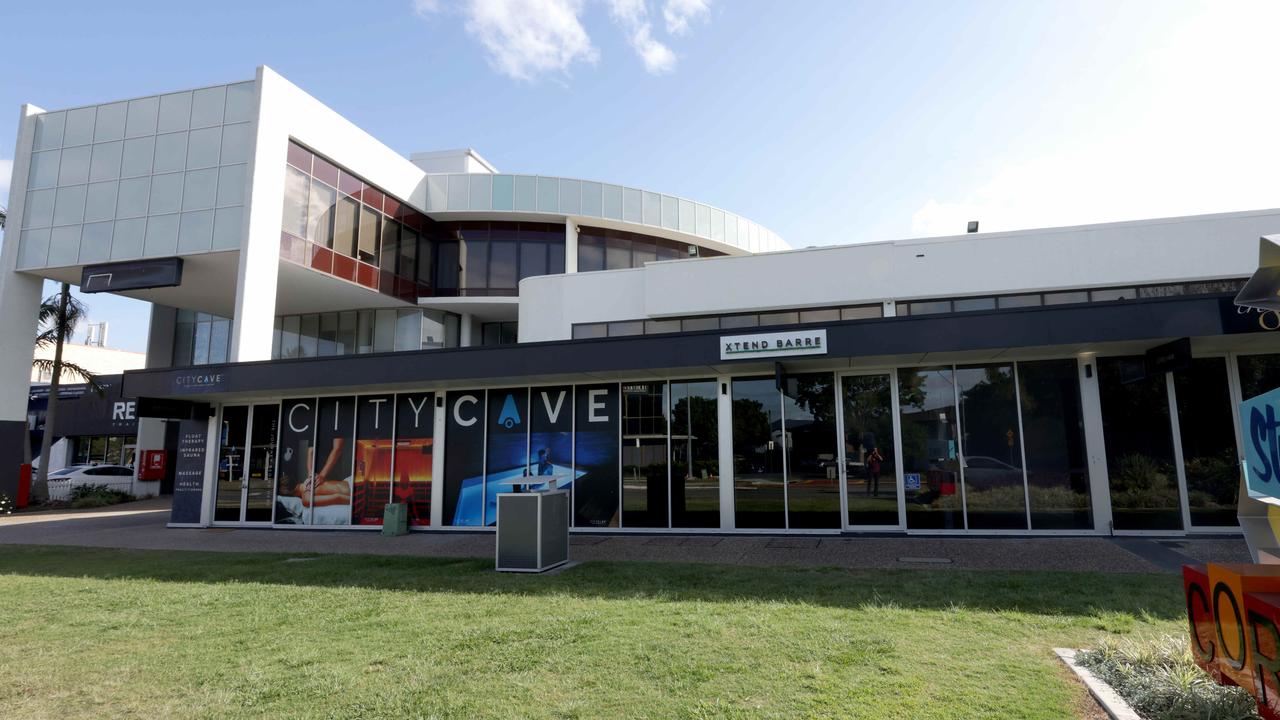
(371,481)
(415,426)
(314,484)
(297,431)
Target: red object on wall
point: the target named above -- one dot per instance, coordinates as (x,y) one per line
(24,487)
(153,464)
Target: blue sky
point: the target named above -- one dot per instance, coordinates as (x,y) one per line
(829,122)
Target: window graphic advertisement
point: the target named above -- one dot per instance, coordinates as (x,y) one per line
(415,428)
(371,481)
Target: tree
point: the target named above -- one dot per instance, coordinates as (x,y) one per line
(58,317)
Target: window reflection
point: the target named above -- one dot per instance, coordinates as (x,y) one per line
(1057,465)
(1139,441)
(1207,431)
(695,455)
(644,455)
(757,455)
(813,470)
(930,458)
(994,495)
(870,463)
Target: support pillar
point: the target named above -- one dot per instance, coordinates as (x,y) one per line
(19,305)
(570,245)
(1095,442)
(724,426)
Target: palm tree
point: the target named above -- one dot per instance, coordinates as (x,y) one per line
(58,317)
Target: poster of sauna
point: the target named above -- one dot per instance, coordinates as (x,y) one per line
(371,482)
(415,423)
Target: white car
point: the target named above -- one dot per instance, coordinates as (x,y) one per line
(116,477)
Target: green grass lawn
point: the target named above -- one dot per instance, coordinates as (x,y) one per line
(113,633)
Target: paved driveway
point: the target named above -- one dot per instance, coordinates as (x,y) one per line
(141,525)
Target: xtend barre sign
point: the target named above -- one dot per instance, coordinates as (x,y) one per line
(780,344)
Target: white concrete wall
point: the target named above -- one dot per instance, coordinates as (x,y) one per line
(19,292)
(551,304)
(1116,254)
(98,360)
(285,112)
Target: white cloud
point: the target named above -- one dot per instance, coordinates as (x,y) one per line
(633,17)
(1191,131)
(679,13)
(425,8)
(526,39)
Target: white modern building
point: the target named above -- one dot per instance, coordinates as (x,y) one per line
(336,327)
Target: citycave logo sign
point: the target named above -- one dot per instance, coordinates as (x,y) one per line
(200,382)
(780,344)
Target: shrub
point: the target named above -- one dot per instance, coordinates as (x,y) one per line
(1160,680)
(91,496)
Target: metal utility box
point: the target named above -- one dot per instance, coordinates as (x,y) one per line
(395,519)
(533,531)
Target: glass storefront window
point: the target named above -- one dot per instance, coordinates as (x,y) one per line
(991,448)
(231,459)
(930,457)
(870,453)
(320,214)
(1207,431)
(695,455)
(1139,441)
(758,492)
(295,202)
(1258,374)
(1053,443)
(811,453)
(644,455)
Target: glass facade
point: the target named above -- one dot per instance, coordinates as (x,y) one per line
(603,249)
(623,328)
(1209,458)
(645,455)
(102,449)
(930,452)
(338,223)
(991,445)
(357,332)
(759,496)
(1053,445)
(695,455)
(1140,459)
(200,338)
(149,177)
(870,454)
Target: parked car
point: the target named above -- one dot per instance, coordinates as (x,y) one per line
(116,477)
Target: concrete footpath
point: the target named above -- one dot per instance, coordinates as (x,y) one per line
(141,525)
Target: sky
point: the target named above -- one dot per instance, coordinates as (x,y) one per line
(828,122)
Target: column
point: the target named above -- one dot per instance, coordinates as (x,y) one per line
(724,424)
(570,245)
(464,330)
(1094,441)
(253,323)
(19,304)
